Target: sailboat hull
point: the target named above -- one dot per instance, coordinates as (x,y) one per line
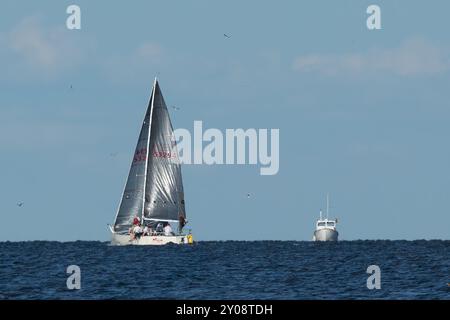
(325,235)
(125,240)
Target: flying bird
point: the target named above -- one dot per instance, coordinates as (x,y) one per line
(19,204)
(226,36)
(248,195)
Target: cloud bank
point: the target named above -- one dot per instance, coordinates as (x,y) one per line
(31,48)
(412,57)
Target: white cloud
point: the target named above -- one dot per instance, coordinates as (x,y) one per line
(412,57)
(29,41)
(150,52)
(32,48)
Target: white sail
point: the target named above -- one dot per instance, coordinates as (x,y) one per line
(164,195)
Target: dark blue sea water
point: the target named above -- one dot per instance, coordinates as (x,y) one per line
(226,270)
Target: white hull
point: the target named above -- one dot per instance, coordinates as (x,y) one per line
(325,235)
(124,240)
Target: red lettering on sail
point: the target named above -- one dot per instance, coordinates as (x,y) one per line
(164,154)
(140,155)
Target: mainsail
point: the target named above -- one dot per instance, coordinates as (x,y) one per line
(154,188)
(164,196)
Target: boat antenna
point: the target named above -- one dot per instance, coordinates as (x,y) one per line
(320,214)
(328,204)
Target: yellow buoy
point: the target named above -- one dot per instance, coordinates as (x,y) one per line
(190,239)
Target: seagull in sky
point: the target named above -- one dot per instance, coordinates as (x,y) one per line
(226,36)
(19,204)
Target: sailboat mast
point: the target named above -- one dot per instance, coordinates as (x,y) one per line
(148,147)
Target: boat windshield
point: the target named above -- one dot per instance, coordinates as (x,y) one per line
(330,224)
(321,224)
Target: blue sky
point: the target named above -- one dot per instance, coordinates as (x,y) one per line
(362,114)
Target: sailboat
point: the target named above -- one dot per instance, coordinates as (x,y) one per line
(153,196)
(325,227)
